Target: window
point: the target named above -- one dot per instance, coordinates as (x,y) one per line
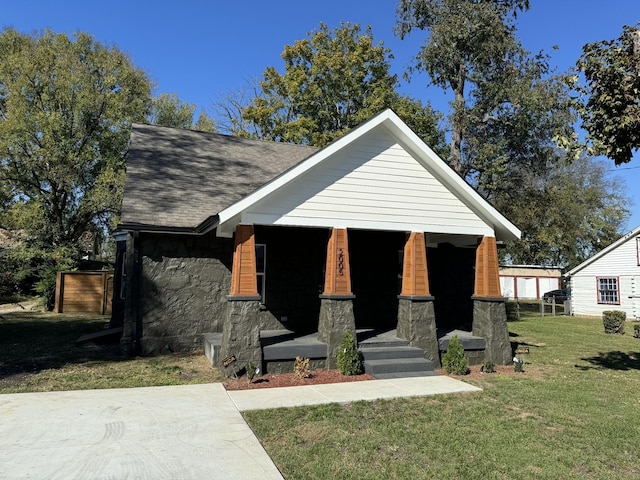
(608,290)
(261,262)
(638,249)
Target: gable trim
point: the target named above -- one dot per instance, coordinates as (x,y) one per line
(624,239)
(412,143)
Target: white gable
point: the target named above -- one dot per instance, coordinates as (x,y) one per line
(619,261)
(379,176)
(373,183)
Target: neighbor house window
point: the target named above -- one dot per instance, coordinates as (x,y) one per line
(638,249)
(608,290)
(261,261)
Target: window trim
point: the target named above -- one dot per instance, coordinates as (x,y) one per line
(600,290)
(261,276)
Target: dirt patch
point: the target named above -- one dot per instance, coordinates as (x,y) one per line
(316,377)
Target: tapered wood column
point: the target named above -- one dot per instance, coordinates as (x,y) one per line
(487,280)
(337,280)
(243,273)
(415,275)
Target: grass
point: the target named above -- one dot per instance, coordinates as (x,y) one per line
(572,414)
(38,353)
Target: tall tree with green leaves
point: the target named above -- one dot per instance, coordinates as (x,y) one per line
(610,101)
(168,110)
(567,213)
(332,81)
(66,105)
(509,115)
(467,40)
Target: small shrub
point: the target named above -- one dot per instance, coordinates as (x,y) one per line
(252,370)
(636,331)
(454,360)
(613,321)
(488,367)
(349,360)
(513,311)
(301,368)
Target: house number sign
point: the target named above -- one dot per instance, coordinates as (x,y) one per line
(341,262)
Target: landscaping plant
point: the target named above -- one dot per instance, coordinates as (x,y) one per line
(454,360)
(252,370)
(301,368)
(349,361)
(614,321)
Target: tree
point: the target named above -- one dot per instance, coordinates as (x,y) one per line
(467,39)
(332,81)
(168,110)
(610,106)
(510,115)
(567,213)
(66,105)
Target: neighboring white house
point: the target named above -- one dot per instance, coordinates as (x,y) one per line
(529,282)
(610,280)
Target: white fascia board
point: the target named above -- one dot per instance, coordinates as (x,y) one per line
(604,251)
(265,219)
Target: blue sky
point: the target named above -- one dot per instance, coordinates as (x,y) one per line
(202,50)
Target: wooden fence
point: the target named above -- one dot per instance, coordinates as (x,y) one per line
(84,292)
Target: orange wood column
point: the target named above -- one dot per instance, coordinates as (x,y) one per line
(243,272)
(415,275)
(487,281)
(337,280)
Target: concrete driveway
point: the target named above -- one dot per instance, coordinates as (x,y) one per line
(181,432)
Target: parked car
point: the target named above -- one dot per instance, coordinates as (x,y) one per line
(559,295)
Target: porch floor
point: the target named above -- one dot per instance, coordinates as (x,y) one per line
(285,345)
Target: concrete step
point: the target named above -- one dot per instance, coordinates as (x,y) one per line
(212,343)
(379,353)
(422,373)
(397,365)
(377,342)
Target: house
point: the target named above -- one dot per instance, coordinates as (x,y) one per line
(238,237)
(529,282)
(609,280)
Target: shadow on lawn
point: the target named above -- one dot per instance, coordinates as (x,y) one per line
(614,361)
(30,343)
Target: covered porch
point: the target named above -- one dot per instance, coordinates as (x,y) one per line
(296,290)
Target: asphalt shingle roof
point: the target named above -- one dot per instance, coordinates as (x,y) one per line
(178,178)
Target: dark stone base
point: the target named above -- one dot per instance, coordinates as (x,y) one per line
(417,324)
(336,317)
(286,366)
(241,335)
(490,323)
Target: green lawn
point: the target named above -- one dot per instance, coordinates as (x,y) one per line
(573,413)
(38,353)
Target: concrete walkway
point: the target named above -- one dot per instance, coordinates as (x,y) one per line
(179,432)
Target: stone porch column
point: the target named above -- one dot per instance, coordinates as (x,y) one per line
(416,314)
(336,301)
(489,311)
(241,327)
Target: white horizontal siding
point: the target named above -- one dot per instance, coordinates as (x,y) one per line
(621,263)
(584,296)
(622,260)
(373,183)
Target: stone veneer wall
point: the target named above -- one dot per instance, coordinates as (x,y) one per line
(184,285)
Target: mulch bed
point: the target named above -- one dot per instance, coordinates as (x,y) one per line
(272,380)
